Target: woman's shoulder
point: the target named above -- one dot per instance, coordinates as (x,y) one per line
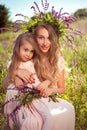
(61,63)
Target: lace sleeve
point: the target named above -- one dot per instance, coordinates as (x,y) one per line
(61,64)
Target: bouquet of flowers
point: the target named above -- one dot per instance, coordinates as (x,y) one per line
(26,95)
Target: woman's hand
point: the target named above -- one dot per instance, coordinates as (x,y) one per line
(43,87)
(46,92)
(25,75)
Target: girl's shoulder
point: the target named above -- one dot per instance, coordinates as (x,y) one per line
(29,65)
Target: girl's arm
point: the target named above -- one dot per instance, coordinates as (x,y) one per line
(6,81)
(23,75)
(18,82)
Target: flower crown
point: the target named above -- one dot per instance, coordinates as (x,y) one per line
(60,21)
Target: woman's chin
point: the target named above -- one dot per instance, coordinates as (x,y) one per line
(44,50)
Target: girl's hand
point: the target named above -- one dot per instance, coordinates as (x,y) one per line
(18,82)
(25,75)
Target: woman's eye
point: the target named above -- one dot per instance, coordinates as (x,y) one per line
(41,37)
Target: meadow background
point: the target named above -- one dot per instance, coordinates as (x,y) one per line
(76,83)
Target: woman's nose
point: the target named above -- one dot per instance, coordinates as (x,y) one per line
(45,41)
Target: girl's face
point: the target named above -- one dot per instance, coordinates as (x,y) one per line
(26,51)
(42,39)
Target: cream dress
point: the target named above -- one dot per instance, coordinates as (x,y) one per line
(41,114)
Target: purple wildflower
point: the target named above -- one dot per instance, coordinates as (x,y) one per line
(31,91)
(16,26)
(53,11)
(19,21)
(59,14)
(45,5)
(32,7)
(69,19)
(4,28)
(78,32)
(21,15)
(74,61)
(72,37)
(37,6)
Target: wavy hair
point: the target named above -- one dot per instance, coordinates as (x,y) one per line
(15,61)
(53,55)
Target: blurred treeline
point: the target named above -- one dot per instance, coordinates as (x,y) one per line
(5,15)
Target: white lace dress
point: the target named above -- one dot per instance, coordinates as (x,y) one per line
(42,114)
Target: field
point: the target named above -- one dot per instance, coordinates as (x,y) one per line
(76,83)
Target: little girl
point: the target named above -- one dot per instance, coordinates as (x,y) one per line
(23,54)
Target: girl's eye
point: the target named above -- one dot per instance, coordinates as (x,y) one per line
(26,49)
(32,51)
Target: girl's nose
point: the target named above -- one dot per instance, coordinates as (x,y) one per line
(28,53)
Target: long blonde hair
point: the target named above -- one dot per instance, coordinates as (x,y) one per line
(15,62)
(53,55)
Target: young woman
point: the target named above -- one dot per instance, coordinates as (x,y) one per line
(50,66)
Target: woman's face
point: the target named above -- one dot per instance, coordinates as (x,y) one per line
(42,39)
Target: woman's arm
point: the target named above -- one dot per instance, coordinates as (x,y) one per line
(60,86)
(46,89)
(43,85)
(25,75)
(22,74)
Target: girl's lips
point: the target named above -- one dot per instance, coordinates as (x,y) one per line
(27,58)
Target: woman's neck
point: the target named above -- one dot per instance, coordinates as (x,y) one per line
(44,57)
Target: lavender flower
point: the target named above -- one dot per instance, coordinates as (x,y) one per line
(32,7)
(21,15)
(45,5)
(53,11)
(29,90)
(19,21)
(4,28)
(37,7)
